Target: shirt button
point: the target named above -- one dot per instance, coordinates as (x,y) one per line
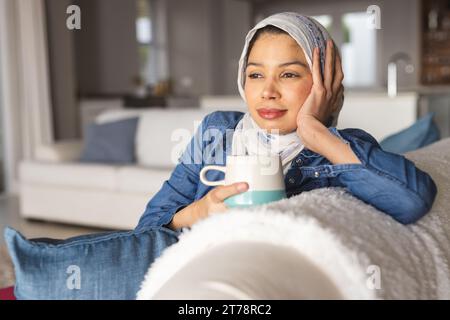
(291,180)
(316,174)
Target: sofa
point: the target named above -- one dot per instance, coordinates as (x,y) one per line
(55,186)
(321,244)
(328,243)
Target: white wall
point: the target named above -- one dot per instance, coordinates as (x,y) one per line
(189,44)
(401,24)
(106,46)
(99,59)
(198,42)
(62,70)
(237,22)
(205,40)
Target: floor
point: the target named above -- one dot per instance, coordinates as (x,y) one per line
(10,216)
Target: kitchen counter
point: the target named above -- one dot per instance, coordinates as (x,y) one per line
(421,90)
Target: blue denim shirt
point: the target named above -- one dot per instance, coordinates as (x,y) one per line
(387,181)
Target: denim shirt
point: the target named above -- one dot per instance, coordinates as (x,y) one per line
(387,181)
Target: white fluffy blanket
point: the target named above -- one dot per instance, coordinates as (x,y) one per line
(350,241)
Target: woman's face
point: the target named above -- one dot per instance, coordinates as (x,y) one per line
(278,81)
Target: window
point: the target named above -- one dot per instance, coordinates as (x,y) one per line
(144,35)
(358,51)
(325,20)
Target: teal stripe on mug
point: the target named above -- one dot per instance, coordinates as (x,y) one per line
(251,198)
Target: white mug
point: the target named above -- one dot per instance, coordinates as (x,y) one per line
(263,173)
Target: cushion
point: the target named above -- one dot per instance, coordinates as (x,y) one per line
(111,142)
(420,134)
(162,135)
(108,265)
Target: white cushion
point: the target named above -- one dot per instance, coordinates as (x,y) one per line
(70,174)
(163,134)
(141,180)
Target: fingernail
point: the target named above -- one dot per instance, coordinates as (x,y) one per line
(242,187)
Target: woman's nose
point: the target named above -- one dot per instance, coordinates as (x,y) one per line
(270,90)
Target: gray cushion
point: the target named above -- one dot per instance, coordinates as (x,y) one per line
(111,142)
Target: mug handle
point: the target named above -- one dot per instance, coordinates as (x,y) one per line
(208,182)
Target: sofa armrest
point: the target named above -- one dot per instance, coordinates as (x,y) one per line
(60,151)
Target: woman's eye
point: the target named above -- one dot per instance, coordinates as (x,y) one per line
(289,75)
(254,75)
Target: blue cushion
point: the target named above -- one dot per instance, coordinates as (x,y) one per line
(111,142)
(98,266)
(422,133)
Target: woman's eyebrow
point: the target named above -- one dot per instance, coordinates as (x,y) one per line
(280,65)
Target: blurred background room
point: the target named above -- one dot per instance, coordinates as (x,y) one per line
(77,76)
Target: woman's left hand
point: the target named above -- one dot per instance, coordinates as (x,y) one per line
(326,95)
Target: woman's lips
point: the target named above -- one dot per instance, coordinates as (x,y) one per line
(267,113)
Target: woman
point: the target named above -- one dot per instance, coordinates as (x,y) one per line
(290,76)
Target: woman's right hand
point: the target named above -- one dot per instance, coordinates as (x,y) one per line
(212,202)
